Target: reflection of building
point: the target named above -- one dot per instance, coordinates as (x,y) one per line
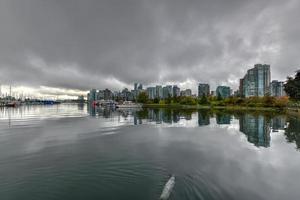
(203,118)
(203,89)
(223,118)
(91,110)
(223,91)
(278,123)
(256,82)
(176,116)
(256,129)
(277,89)
(167,116)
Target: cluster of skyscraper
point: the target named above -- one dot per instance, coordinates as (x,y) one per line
(163,92)
(159,92)
(256,82)
(221,91)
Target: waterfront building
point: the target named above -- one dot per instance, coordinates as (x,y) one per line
(176,91)
(277,88)
(186,93)
(135,86)
(151,91)
(92,96)
(167,91)
(140,87)
(127,95)
(80,99)
(223,91)
(100,95)
(257,81)
(241,88)
(159,92)
(107,94)
(236,93)
(203,90)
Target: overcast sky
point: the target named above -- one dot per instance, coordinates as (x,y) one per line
(68,46)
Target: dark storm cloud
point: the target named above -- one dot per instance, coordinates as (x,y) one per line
(79,44)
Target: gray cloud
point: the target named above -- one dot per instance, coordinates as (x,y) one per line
(113,43)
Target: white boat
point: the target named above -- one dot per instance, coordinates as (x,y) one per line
(128,104)
(168,188)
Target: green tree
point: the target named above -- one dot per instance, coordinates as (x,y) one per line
(156,100)
(168,99)
(142,97)
(219,97)
(203,100)
(292,86)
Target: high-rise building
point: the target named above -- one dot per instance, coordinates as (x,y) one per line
(80,99)
(203,89)
(277,89)
(92,96)
(159,92)
(135,86)
(241,89)
(223,91)
(176,91)
(257,81)
(140,87)
(107,94)
(167,91)
(151,91)
(100,95)
(186,93)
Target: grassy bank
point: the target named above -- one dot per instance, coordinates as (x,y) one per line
(266,103)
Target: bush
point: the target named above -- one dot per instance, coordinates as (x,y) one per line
(281,102)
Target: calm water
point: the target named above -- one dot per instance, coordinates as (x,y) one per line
(72,152)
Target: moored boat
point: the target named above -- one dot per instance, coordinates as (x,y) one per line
(128,104)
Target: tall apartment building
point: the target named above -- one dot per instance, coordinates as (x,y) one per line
(256,82)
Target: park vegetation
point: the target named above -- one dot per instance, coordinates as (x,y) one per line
(267,101)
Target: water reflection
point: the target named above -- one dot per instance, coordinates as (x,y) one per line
(292,132)
(256,127)
(203,117)
(223,118)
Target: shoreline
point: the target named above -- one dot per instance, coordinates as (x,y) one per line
(208,107)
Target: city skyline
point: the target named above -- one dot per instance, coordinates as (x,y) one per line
(64,48)
(256,82)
